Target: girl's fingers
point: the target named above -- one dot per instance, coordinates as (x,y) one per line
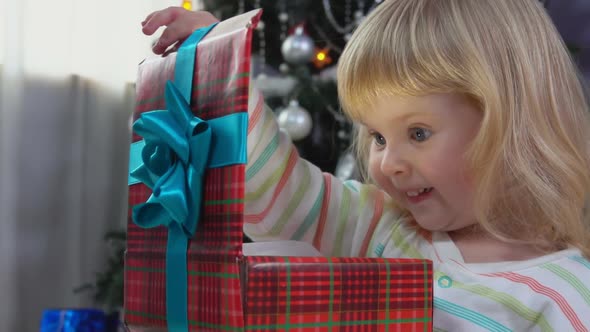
(148,18)
(175,32)
(161,18)
(179,22)
(201,19)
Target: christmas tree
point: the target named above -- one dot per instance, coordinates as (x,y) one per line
(296,48)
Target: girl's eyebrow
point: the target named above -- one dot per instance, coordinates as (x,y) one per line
(411,114)
(405,116)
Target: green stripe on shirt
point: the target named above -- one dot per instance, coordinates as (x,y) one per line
(571,279)
(342,222)
(270,182)
(505,300)
(312,216)
(402,244)
(294,203)
(469,315)
(263,158)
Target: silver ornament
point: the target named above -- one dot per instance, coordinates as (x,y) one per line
(298,49)
(295,120)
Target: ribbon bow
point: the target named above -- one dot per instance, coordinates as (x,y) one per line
(174,160)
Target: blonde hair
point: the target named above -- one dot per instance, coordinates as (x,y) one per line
(531,157)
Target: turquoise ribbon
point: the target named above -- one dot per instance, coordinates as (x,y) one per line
(171,160)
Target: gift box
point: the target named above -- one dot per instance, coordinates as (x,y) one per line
(185,269)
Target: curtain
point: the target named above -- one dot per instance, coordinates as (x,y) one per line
(66,77)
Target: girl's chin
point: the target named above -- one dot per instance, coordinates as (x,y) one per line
(431,225)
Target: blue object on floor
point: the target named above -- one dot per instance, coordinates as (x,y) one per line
(73,320)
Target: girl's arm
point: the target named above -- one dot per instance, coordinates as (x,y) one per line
(289,198)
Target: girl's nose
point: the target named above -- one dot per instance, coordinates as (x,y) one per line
(394,163)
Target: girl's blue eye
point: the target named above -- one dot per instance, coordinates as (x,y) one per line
(420,134)
(379,139)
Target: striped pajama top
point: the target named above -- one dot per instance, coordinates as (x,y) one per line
(288,198)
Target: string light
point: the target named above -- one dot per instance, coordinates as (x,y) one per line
(347,28)
(261,37)
(283,18)
(322,58)
(187,4)
(347,12)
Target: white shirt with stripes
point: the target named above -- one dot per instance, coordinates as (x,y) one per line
(288,198)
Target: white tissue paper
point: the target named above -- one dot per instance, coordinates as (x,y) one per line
(280,248)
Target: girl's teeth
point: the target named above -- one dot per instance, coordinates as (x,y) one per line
(416,193)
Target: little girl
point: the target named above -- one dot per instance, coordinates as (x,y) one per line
(473,129)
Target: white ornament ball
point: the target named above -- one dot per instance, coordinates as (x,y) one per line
(359,16)
(342,134)
(284,68)
(298,49)
(295,120)
(283,17)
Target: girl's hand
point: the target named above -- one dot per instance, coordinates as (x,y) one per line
(179,22)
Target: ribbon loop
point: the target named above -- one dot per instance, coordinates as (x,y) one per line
(168,162)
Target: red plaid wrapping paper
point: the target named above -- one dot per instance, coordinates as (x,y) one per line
(231,292)
(337,294)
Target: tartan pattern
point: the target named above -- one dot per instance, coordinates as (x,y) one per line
(337,294)
(229,292)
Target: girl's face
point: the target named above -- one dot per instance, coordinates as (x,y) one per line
(417,156)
